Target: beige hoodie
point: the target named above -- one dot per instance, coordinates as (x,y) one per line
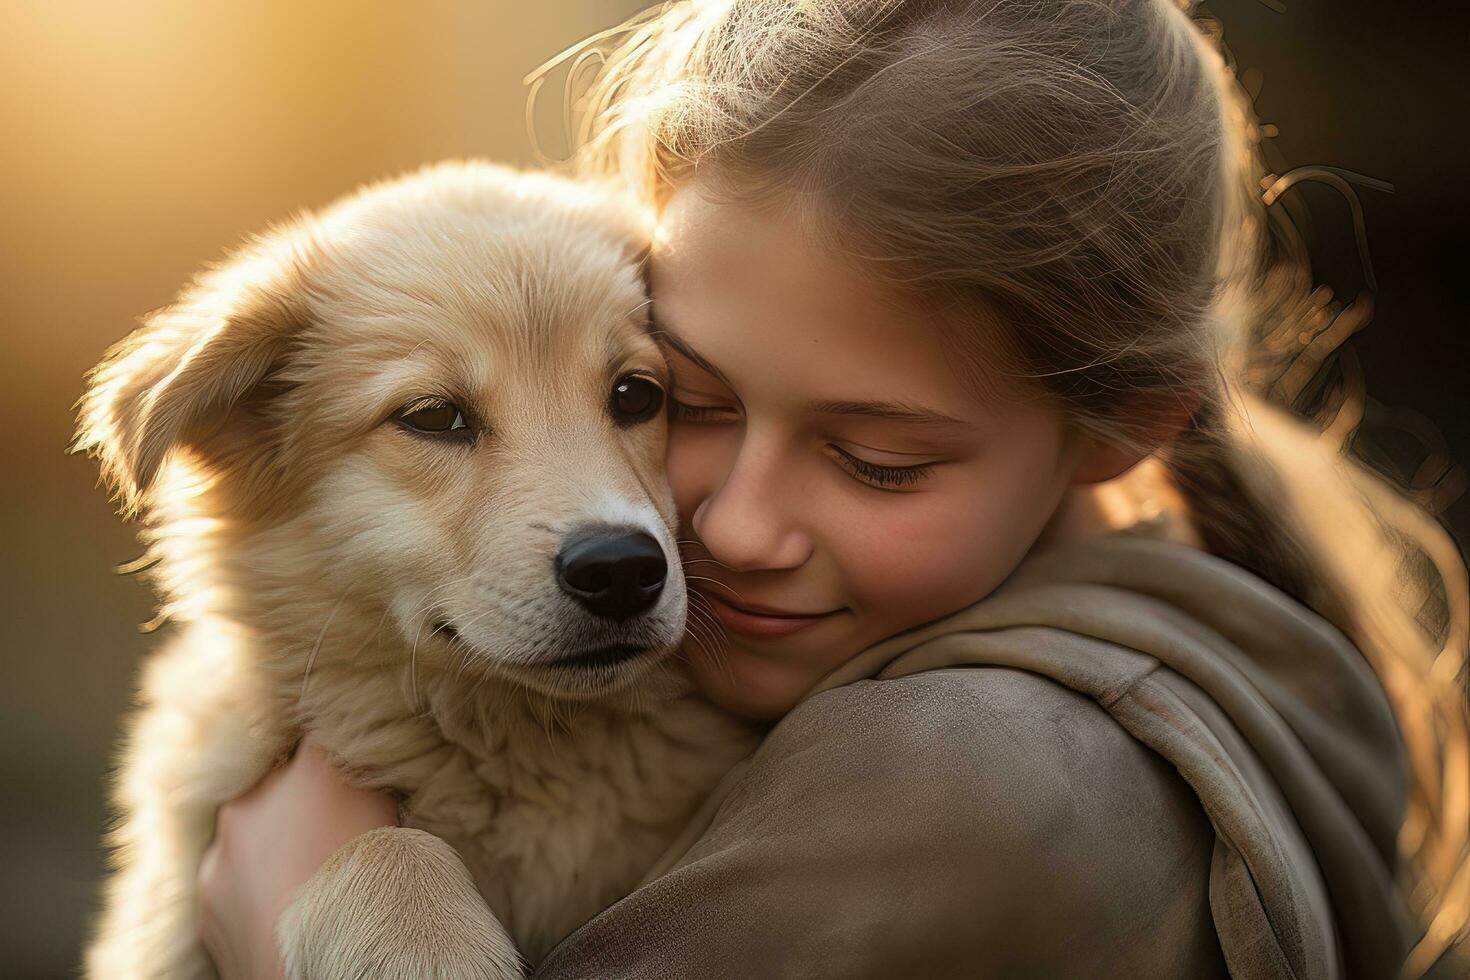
(1133,760)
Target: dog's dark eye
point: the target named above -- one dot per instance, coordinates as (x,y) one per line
(635,399)
(434,416)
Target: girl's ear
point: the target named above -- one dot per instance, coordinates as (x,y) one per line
(1167,417)
(172,383)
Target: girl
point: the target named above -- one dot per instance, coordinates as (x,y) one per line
(967,305)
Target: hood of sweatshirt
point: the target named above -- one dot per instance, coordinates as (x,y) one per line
(1269,713)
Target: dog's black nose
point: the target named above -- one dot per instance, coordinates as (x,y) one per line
(616,573)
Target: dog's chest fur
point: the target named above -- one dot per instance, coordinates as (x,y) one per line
(557,811)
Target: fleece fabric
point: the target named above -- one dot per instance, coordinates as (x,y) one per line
(1132,760)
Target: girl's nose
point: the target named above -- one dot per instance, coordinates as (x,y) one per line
(746,523)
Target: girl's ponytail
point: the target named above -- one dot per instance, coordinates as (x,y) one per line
(1268,468)
(1271,494)
(1233,524)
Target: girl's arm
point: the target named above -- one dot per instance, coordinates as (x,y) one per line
(267,844)
(311,877)
(955,823)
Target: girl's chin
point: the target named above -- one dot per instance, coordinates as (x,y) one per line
(749,685)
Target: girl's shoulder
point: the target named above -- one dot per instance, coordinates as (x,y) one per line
(951,823)
(956,823)
(993,771)
(1031,761)
(1081,696)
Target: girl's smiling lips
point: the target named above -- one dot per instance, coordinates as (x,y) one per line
(762,622)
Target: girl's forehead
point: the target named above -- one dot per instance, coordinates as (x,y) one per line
(758,295)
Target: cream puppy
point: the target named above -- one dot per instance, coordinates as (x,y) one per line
(400,467)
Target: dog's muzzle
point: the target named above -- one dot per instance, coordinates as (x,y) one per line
(615,573)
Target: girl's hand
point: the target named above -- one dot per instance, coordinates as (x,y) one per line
(267,843)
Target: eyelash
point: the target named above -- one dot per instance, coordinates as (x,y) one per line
(873,474)
(883,476)
(692,413)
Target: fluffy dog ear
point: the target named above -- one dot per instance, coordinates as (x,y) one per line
(174,382)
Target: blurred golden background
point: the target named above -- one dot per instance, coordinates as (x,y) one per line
(140,140)
(143,138)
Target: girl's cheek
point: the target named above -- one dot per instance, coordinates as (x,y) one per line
(918,560)
(698,460)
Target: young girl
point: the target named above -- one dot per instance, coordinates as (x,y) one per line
(961,299)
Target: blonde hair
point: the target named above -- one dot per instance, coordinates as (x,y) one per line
(1087,175)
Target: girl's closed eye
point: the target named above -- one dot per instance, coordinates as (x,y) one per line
(696,393)
(883,476)
(688,407)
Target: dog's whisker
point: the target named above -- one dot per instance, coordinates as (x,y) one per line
(693,552)
(711,647)
(715,655)
(476,619)
(470,694)
(316,648)
(712,637)
(456,648)
(707,623)
(413,672)
(705,578)
(699,606)
(701,640)
(698,614)
(142,563)
(563,725)
(474,692)
(463,655)
(452,583)
(703,633)
(535,707)
(429,597)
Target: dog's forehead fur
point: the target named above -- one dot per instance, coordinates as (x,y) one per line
(517,297)
(505,292)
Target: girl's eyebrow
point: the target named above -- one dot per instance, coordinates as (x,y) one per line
(664,336)
(893,411)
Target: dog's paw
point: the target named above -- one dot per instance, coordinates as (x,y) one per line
(395,902)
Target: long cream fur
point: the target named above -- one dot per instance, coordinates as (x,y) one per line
(332,574)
